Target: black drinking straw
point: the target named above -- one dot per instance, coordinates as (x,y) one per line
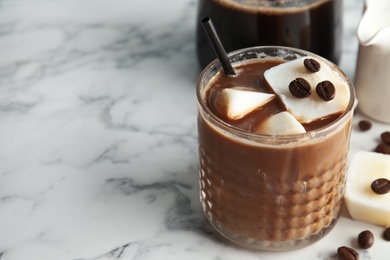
(217,46)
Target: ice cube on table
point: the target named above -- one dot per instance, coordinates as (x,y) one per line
(311,108)
(362,202)
(236,102)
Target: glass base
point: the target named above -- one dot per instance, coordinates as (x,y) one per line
(275,246)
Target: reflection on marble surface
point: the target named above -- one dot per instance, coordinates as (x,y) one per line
(98,155)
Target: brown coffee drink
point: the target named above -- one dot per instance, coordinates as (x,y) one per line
(313,25)
(262,191)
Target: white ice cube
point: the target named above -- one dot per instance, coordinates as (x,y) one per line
(362,202)
(282,123)
(313,107)
(237,102)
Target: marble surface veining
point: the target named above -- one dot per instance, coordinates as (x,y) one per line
(98,141)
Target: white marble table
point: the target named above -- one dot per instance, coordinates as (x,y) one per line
(98,142)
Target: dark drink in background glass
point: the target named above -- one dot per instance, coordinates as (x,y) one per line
(312,25)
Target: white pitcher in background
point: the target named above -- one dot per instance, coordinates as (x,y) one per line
(372,78)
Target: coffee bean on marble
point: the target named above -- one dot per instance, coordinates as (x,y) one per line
(381,186)
(300,88)
(365,125)
(347,253)
(386,234)
(386,137)
(312,65)
(326,90)
(365,239)
(382,148)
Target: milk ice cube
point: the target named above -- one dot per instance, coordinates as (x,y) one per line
(282,123)
(311,108)
(362,202)
(236,102)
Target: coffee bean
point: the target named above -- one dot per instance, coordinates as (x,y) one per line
(365,239)
(365,125)
(326,90)
(312,65)
(300,88)
(386,137)
(386,234)
(347,253)
(381,186)
(382,148)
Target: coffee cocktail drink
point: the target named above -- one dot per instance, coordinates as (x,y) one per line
(313,25)
(273,144)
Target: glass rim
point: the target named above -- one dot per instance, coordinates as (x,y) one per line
(286,5)
(212,118)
